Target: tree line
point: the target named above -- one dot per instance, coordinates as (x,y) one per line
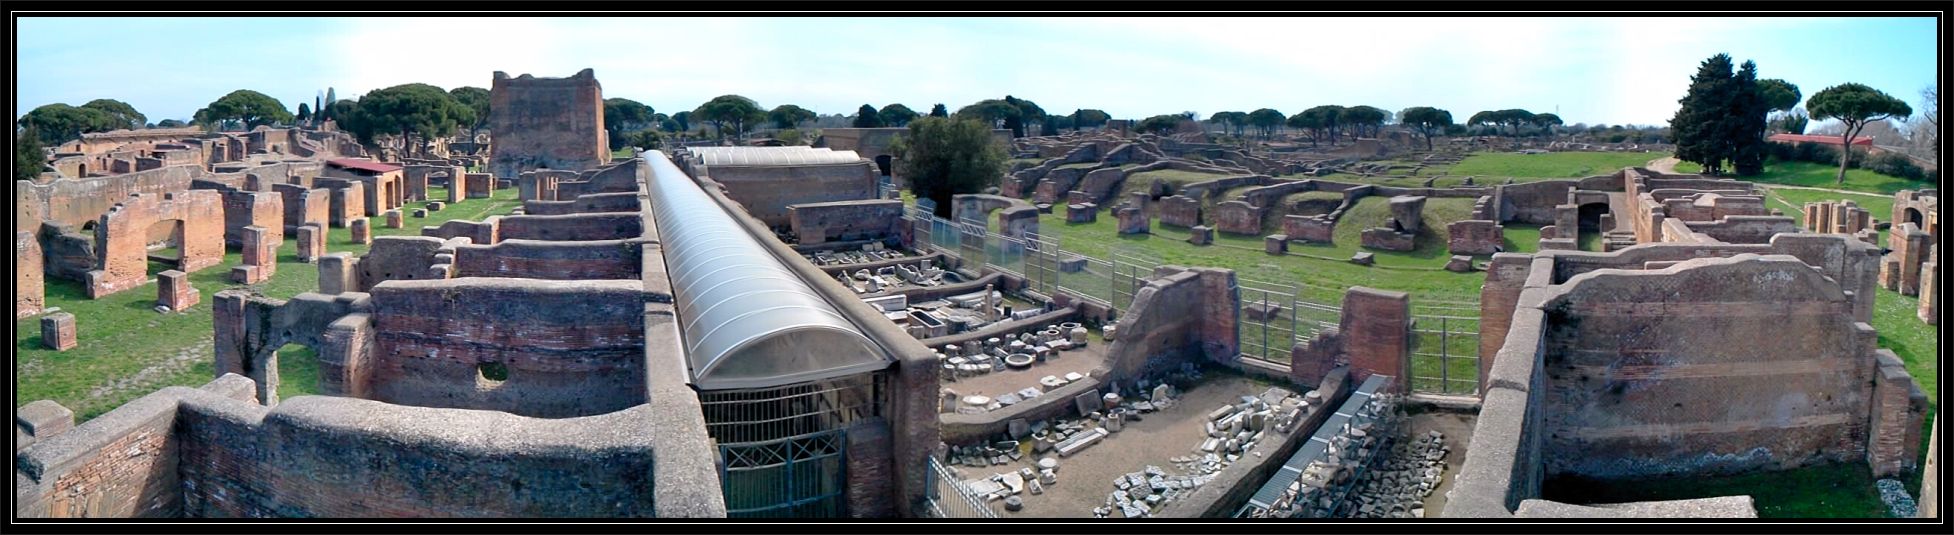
(1726,115)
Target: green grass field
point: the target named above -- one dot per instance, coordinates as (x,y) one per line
(1815,175)
(126,349)
(1834,491)
(1498,165)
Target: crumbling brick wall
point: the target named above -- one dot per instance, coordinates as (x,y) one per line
(569,348)
(30,290)
(529,259)
(577,227)
(1475,237)
(1237,217)
(555,123)
(303,206)
(1680,371)
(1180,210)
(122,237)
(816,223)
(76,201)
(767,191)
(585,204)
(210,453)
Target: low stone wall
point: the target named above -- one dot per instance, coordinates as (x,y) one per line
(210,453)
(1475,237)
(530,259)
(816,223)
(576,227)
(565,348)
(1180,211)
(1710,356)
(584,204)
(30,290)
(1237,217)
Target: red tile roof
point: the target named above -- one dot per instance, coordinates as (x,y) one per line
(1828,140)
(363,165)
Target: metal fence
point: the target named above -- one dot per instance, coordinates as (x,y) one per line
(782,451)
(1268,325)
(948,498)
(1445,354)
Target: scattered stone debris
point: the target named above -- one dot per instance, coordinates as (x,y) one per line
(1898,502)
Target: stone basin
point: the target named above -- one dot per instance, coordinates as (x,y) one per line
(1019,360)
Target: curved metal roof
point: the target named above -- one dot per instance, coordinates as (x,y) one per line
(747,320)
(735,156)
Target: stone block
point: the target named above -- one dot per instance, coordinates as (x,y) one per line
(1132,220)
(58,331)
(30,291)
(311,243)
(1201,235)
(1071,263)
(1407,213)
(43,419)
(173,291)
(436,206)
(395,219)
(1275,244)
(1388,239)
(1459,264)
(1363,258)
(1261,311)
(420,213)
(362,230)
(1316,229)
(1081,213)
(1475,237)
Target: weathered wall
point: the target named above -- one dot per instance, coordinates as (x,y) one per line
(578,227)
(767,191)
(30,290)
(817,223)
(529,259)
(584,204)
(1708,366)
(74,201)
(570,348)
(303,206)
(121,237)
(210,453)
(555,123)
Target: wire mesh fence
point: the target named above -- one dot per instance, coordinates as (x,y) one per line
(1445,354)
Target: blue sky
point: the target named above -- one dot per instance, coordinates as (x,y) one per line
(1593,70)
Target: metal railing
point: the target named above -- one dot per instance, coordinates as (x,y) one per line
(949,498)
(1445,354)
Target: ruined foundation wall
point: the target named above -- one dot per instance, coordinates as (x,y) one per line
(570,348)
(530,259)
(766,192)
(584,204)
(577,227)
(122,237)
(74,201)
(816,223)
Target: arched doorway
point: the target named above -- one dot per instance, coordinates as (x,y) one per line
(884,163)
(1914,216)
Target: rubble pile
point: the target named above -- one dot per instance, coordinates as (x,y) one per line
(1397,486)
(871,252)
(1345,481)
(884,278)
(1026,349)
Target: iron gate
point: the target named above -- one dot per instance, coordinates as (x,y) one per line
(948,498)
(794,477)
(1268,320)
(1130,273)
(1445,356)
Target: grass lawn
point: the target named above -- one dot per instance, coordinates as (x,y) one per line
(127,350)
(1816,175)
(1550,165)
(1144,180)
(1835,491)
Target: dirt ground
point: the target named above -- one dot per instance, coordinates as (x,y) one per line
(1457,428)
(1086,478)
(994,384)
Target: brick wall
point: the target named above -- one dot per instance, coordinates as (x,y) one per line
(571,348)
(527,259)
(845,220)
(578,227)
(30,291)
(584,204)
(556,123)
(122,237)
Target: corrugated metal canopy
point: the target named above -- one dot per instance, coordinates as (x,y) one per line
(747,320)
(755,156)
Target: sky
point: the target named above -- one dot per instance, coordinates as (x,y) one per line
(1612,70)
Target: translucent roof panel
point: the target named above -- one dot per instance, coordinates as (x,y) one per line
(747,320)
(758,156)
